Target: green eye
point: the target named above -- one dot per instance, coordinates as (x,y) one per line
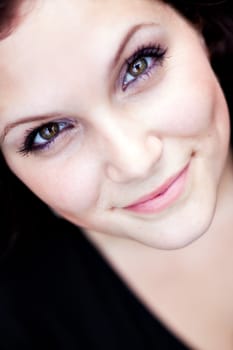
(40,138)
(141,64)
(49,131)
(138,67)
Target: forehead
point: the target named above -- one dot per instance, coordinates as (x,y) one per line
(63,21)
(47,16)
(58,35)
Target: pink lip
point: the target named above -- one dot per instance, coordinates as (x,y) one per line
(163,196)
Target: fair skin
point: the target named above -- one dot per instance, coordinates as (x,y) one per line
(122,138)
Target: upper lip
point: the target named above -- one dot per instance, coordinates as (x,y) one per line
(160,190)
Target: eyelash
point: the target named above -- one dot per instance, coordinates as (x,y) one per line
(154,51)
(29,145)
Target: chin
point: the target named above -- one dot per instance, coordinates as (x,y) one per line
(185,223)
(184,232)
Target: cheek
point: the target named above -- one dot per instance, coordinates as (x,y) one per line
(188,108)
(77,190)
(66,187)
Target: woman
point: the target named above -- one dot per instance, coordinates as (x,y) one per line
(112,114)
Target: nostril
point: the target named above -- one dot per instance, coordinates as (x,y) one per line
(155,145)
(112,173)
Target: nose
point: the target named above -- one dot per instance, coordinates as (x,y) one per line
(131,154)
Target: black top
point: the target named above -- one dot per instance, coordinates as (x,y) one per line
(57,292)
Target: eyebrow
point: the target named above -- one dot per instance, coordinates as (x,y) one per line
(130,33)
(30,119)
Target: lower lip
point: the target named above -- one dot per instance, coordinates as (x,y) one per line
(164,200)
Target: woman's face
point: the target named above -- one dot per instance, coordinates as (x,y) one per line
(111,114)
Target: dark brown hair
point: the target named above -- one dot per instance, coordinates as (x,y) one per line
(215,20)
(20,210)
(8,16)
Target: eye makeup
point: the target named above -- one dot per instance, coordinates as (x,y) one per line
(137,69)
(41,138)
(141,64)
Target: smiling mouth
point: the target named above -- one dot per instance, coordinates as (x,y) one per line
(162,197)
